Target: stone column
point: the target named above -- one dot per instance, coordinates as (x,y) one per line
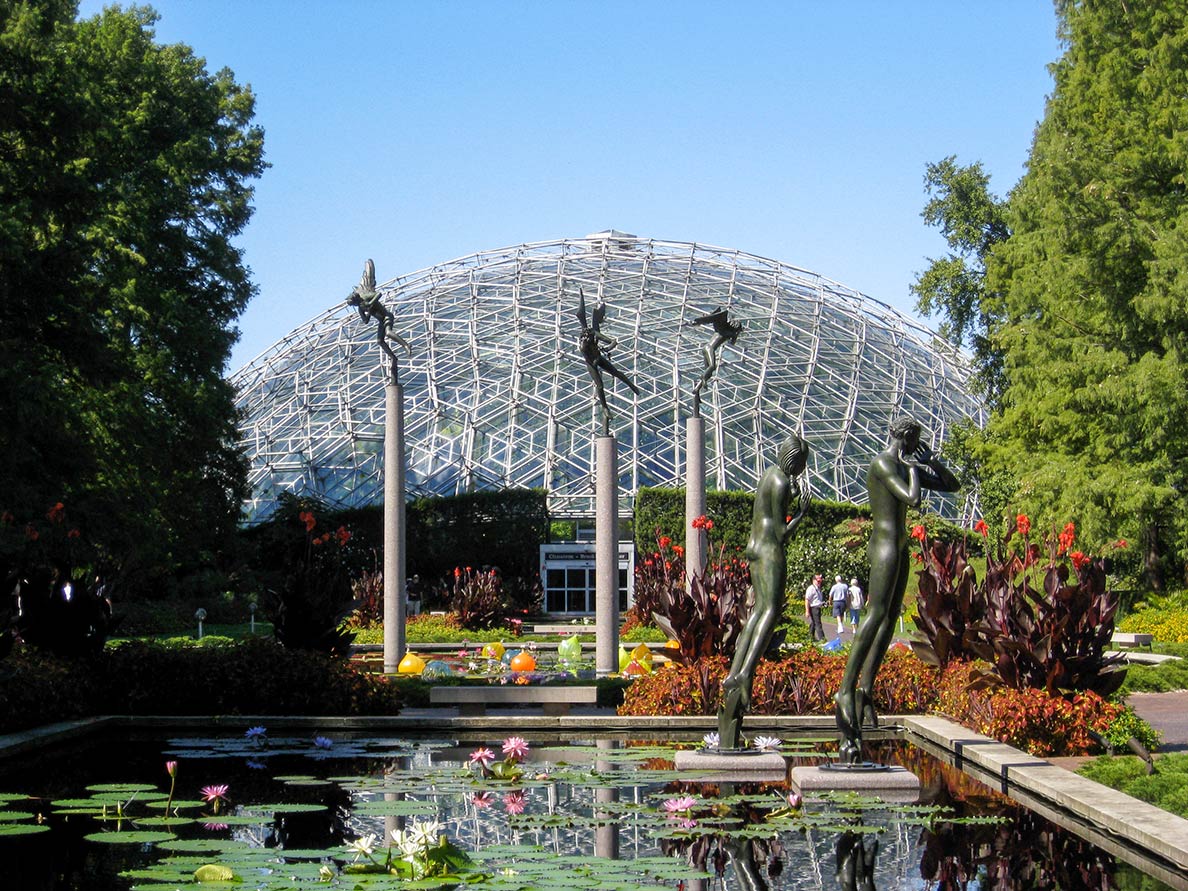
(606,555)
(394,528)
(695,539)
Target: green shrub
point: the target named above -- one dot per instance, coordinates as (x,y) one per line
(1167,787)
(181,678)
(1155,678)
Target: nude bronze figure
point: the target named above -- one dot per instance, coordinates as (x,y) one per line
(896,479)
(367,301)
(771,528)
(591,344)
(725,331)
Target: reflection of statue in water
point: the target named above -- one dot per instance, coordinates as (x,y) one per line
(590,343)
(770,528)
(725,331)
(856,856)
(895,480)
(367,301)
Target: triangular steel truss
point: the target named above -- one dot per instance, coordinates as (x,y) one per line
(496,394)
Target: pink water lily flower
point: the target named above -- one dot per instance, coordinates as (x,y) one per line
(171,768)
(680,805)
(482,799)
(515,747)
(513,802)
(482,756)
(215,794)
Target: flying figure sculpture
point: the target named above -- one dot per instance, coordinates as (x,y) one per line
(725,331)
(367,301)
(590,345)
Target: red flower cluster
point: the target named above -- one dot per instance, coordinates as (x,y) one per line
(919,533)
(307,517)
(343,535)
(1121,543)
(1078,560)
(665,541)
(982,529)
(73,533)
(703,522)
(57,513)
(1065,539)
(1023,524)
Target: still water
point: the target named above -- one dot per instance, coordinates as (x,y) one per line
(318,812)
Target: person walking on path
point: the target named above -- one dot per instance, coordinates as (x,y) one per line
(857,601)
(838,595)
(814,600)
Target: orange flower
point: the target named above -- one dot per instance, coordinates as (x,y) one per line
(1078,560)
(919,533)
(56,513)
(1121,543)
(1065,538)
(665,541)
(1023,524)
(343,534)
(982,529)
(307,517)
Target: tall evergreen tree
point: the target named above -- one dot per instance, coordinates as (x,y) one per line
(124,170)
(1094,422)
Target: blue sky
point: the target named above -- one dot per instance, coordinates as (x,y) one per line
(417,132)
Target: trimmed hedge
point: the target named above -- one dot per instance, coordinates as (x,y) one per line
(254,677)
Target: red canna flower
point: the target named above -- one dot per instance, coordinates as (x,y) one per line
(1078,560)
(73,533)
(343,534)
(703,522)
(1065,539)
(1121,543)
(1023,524)
(982,529)
(919,533)
(56,513)
(307,517)
(457,573)
(31,534)
(678,550)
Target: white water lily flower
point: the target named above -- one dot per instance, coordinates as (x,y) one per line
(711,740)
(767,743)
(405,844)
(363,846)
(425,833)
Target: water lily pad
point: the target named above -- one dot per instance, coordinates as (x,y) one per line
(7,797)
(125,797)
(8,829)
(398,808)
(122,787)
(291,808)
(131,837)
(194,845)
(14,816)
(74,802)
(177,804)
(214,872)
(163,821)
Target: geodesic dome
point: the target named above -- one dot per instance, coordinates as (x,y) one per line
(496,394)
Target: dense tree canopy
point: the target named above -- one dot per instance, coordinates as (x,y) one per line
(1081,298)
(124,171)
(1095,416)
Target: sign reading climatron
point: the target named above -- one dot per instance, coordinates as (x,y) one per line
(496,394)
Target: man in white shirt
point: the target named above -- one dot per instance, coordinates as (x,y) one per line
(838,595)
(814,599)
(857,601)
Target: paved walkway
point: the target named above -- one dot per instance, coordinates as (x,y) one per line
(1166,712)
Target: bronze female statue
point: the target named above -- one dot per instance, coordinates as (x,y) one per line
(895,482)
(590,344)
(771,527)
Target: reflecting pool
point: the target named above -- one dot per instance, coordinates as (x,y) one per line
(279,810)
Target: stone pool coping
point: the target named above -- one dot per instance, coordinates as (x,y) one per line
(1137,832)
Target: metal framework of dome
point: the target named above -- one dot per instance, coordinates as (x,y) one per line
(496,394)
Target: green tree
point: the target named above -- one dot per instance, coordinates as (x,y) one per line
(972,221)
(124,170)
(1094,420)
